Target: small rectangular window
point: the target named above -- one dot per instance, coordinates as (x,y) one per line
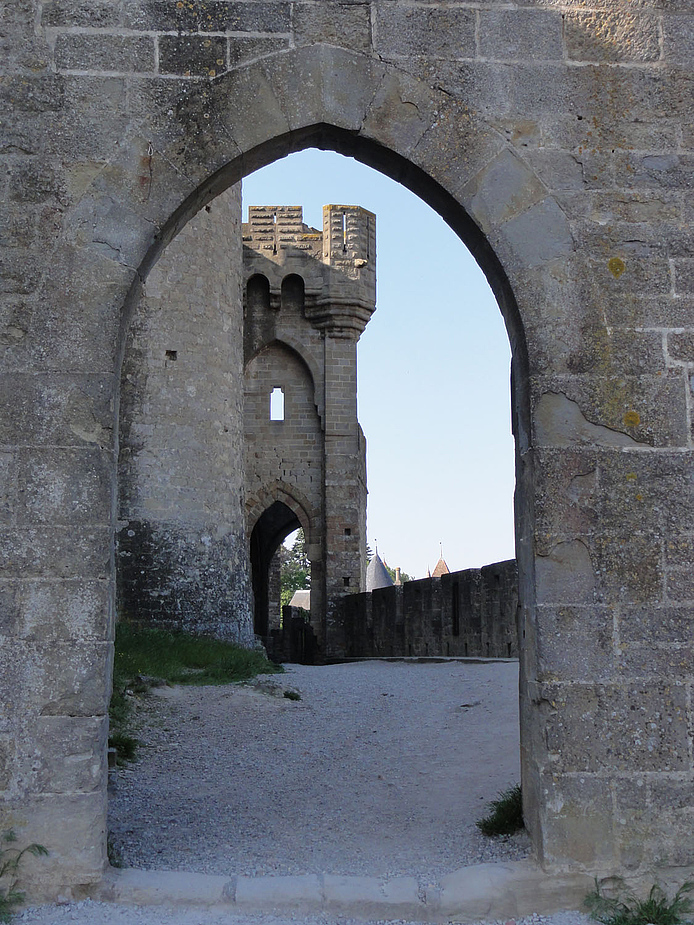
(277,404)
(171,354)
(348,531)
(345,581)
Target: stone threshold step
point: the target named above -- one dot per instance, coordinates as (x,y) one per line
(483,891)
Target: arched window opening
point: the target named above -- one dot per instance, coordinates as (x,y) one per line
(293,293)
(258,292)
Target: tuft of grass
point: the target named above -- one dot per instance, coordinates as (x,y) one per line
(115,855)
(292,695)
(10,859)
(145,657)
(125,745)
(506,814)
(612,903)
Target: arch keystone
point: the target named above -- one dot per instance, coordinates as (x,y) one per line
(324,84)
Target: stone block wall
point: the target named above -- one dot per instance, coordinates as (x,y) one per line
(556,139)
(182,551)
(469,613)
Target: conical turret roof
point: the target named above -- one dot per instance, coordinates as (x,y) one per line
(376,575)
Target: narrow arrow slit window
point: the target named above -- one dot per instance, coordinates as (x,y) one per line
(277,404)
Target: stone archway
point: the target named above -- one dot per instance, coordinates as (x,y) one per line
(120,158)
(272,527)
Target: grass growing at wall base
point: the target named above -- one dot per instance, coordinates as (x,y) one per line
(10,859)
(145,657)
(611,903)
(506,814)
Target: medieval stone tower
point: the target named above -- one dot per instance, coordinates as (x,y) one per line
(308,295)
(239,382)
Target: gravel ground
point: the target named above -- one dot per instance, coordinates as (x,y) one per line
(92,913)
(380,769)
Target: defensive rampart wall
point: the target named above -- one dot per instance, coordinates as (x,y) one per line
(469,613)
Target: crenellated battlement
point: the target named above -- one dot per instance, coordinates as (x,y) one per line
(337,263)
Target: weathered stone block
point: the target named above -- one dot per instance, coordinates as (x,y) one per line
(652,626)
(312,86)
(665,170)
(575,643)
(402,94)
(73,829)
(88,52)
(678,37)
(69,755)
(639,661)
(6,760)
(620,36)
(418,30)
(247,50)
(57,409)
(631,727)
(680,346)
(629,567)
(565,573)
(207,16)
(243,92)
(647,491)
(63,552)
(684,277)
(539,236)
(579,819)
(192,55)
(557,169)
(34,182)
(85,341)
(94,13)
(612,411)
(680,584)
(652,828)
(639,307)
(345,24)
(79,609)
(505,188)
(522,34)
(8,486)
(18,228)
(32,93)
(19,270)
(64,486)
(567,491)
(66,678)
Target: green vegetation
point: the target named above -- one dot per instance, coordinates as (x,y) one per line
(10,859)
(506,814)
(611,903)
(295,569)
(146,657)
(292,695)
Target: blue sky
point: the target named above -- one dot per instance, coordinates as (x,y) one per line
(433,372)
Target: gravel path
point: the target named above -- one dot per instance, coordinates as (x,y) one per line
(93,913)
(380,769)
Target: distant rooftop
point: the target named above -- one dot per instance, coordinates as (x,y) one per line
(376,575)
